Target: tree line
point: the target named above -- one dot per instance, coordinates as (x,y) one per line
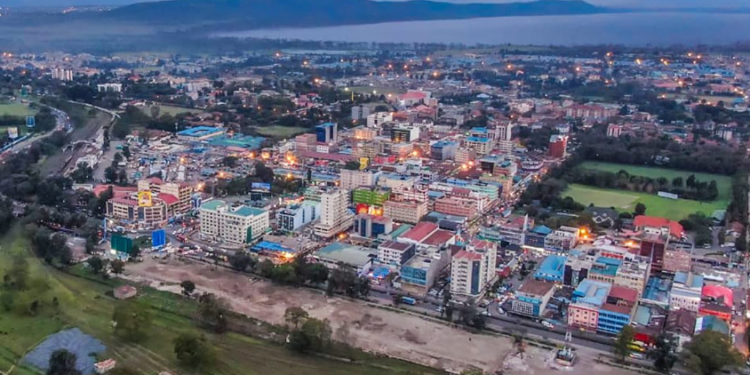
(691,188)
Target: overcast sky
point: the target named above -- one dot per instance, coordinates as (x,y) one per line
(614,3)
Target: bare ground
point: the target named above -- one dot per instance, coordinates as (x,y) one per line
(371,329)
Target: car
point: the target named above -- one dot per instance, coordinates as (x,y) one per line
(547,324)
(485,313)
(439,309)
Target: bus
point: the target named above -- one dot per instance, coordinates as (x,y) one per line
(408,300)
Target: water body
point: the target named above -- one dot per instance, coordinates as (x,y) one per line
(629,29)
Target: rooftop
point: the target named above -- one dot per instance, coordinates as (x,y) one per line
(200,131)
(536,287)
(675,228)
(438,238)
(591,292)
(346,253)
(552,266)
(463,254)
(623,293)
(421,231)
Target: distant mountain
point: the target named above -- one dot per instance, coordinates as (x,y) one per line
(253,14)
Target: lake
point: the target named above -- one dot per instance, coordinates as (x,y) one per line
(629,29)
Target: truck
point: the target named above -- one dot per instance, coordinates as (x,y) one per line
(408,300)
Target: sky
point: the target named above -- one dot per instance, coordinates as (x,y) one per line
(613,3)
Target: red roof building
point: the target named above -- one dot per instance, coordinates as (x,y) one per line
(420,232)
(470,255)
(720,294)
(439,238)
(658,225)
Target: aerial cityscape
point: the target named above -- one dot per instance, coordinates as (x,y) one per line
(354,187)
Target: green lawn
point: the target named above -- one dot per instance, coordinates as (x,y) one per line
(626,201)
(15,109)
(84,304)
(723,183)
(278,131)
(168,109)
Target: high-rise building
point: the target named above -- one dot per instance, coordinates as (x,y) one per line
(503,132)
(360,112)
(235,225)
(326,133)
(334,217)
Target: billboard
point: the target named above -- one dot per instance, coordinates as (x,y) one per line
(363,162)
(30,121)
(122,244)
(12,132)
(158,238)
(260,187)
(145,199)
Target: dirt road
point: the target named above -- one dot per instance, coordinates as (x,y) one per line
(371,329)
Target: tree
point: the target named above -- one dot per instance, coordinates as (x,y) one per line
(117,266)
(229,161)
(188,287)
(135,252)
(397,299)
(126,152)
(96,264)
(295,316)
(194,351)
(265,268)
(710,351)
(212,312)
(317,273)
(155,111)
(82,173)
(17,278)
(677,182)
(662,354)
(622,344)
(640,209)
(62,362)
(313,335)
(132,320)
(110,174)
(352,165)
(241,261)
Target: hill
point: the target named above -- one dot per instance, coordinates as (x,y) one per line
(253,14)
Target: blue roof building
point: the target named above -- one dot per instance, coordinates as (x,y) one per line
(552,269)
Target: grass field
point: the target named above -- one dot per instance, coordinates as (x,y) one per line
(723,183)
(168,109)
(15,109)
(278,131)
(625,201)
(84,304)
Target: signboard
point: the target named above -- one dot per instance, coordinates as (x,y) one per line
(158,238)
(145,199)
(30,121)
(363,163)
(122,244)
(260,187)
(12,132)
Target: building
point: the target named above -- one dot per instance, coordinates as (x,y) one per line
(362,133)
(404,134)
(604,269)
(465,155)
(370,196)
(443,150)
(109,87)
(680,326)
(498,165)
(334,216)
(235,225)
(558,146)
(62,74)
(677,259)
(360,112)
(617,311)
(181,191)
(131,210)
(718,301)
(562,239)
(503,132)
(552,269)
(467,270)
(588,297)
(658,226)
(614,130)
(326,133)
(410,212)
(577,267)
(686,292)
(633,274)
(396,253)
(352,179)
(340,254)
(531,298)
(481,146)
(370,226)
(199,133)
(423,268)
(653,247)
(457,207)
(295,217)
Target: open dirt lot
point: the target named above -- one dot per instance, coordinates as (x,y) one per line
(371,329)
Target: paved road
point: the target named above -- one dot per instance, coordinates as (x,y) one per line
(63,122)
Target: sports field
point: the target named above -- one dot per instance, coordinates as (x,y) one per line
(16,109)
(84,303)
(168,109)
(625,201)
(278,131)
(723,183)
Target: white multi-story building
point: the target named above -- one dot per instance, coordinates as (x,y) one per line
(686,292)
(473,269)
(352,179)
(334,217)
(360,112)
(62,74)
(109,87)
(634,274)
(238,225)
